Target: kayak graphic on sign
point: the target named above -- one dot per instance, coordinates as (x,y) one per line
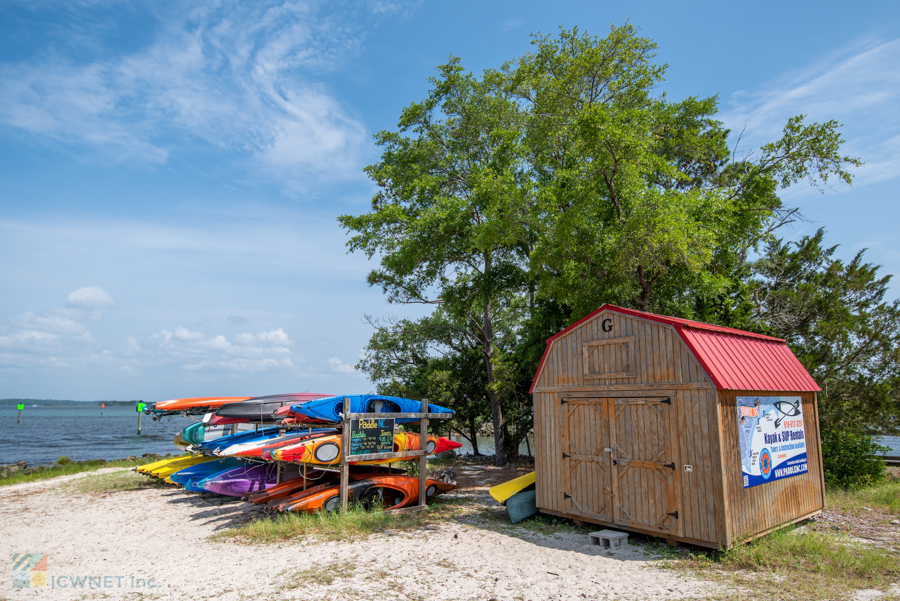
(773,440)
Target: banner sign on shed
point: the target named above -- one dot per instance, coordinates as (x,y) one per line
(371,436)
(773,442)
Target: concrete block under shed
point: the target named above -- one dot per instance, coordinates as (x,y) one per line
(608,539)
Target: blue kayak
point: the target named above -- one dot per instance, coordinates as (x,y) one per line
(220,443)
(330,409)
(202,470)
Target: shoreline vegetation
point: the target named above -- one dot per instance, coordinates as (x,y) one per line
(19,472)
(64,403)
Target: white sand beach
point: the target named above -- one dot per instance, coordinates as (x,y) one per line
(154,543)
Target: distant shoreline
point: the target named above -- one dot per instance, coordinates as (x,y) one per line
(65,403)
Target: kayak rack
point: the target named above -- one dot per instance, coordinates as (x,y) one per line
(424,416)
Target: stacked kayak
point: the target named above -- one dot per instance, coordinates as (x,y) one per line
(284,451)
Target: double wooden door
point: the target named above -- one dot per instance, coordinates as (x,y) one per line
(619,461)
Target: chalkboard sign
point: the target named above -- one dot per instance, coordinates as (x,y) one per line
(371,436)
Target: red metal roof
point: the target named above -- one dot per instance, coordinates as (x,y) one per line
(733,359)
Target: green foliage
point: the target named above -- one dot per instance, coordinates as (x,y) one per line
(849,458)
(834,318)
(517,202)
(883,497)
(63,460)
(74,467)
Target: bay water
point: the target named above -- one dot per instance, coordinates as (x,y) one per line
(81,433)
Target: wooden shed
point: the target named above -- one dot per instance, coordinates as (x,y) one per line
(684,430)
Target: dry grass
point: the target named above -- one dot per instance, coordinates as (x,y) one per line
(321,575)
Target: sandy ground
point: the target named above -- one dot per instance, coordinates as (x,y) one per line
(163,534)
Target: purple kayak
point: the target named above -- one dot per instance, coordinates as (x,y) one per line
(253,477)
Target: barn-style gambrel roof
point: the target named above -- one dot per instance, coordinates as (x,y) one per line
(733,359)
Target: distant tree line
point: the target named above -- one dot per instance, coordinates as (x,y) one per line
(59,403)
(517,202)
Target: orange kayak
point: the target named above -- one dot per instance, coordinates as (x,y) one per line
(386,491)
(314,478)
(327,449)
(197,404)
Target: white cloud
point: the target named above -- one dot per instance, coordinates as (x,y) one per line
(241,76)
(859,86)
(90,298)
(339,367)
(50,339)
(186,335)
(272,337)
(511,24)
(194,352)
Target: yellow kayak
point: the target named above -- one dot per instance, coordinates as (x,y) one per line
(502,492)
(168,470)
(173,466)
(148,467)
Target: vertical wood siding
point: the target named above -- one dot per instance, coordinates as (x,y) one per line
(703,430)
(760,508)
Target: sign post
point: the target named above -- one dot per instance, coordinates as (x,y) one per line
(19,416)
(140,411)
(374,429)
(102,405)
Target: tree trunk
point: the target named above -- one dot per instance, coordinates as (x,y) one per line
(493,397)
(473,430)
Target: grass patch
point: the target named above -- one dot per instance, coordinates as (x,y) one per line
(884,498)
(797,564)
(322,575)
(63,460)
(75,467)
(112,482)
(353,525)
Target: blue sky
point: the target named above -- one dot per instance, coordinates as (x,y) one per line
(170,173)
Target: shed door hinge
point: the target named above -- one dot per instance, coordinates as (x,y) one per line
(666,401)
(566,496)
(674,514)
(563,401)
(566,455)
(670,466)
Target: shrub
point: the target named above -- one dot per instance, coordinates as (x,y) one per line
(63,460)
(849,458)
